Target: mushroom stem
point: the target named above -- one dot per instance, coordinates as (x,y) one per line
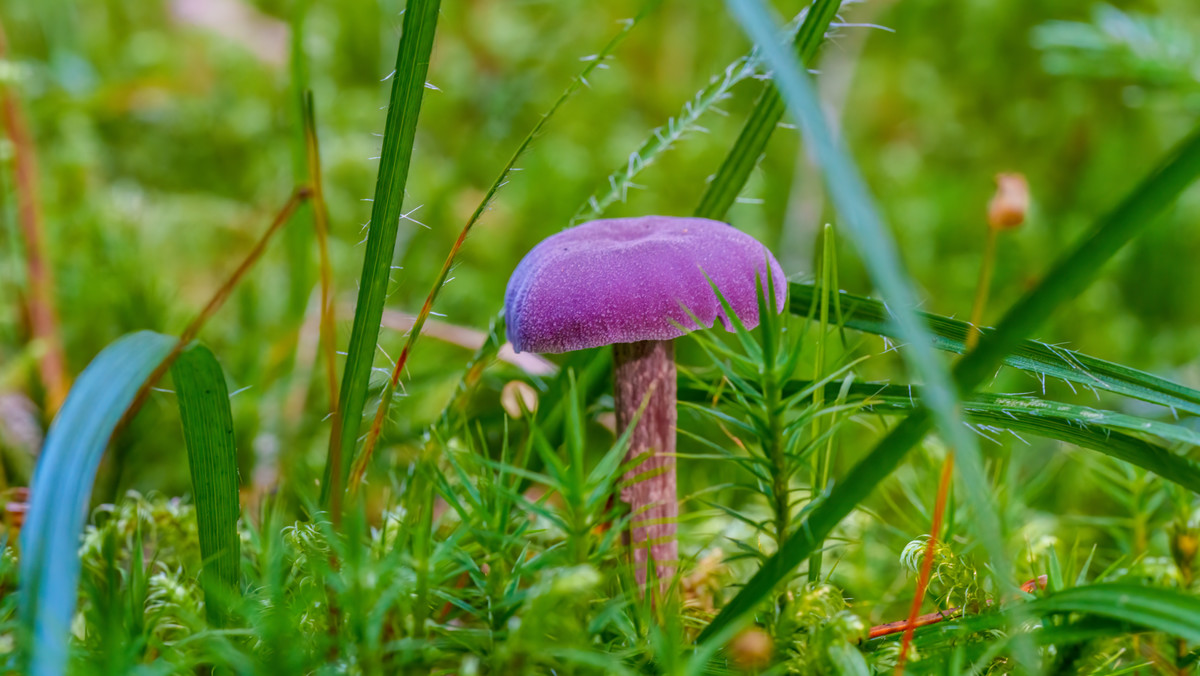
(641,367)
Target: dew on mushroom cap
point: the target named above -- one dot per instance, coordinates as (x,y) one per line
(628,279)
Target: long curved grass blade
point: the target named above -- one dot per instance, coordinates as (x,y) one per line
(360,463)
(404,106)
(1040,359)
(735,170)
(212,459)
(875,244)
(1153,608)
(884,398)
(62,488)
(1165,610)
(1114,434)
(1117,435)
(1068,278)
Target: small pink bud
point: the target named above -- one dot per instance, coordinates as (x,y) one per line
(1010,203)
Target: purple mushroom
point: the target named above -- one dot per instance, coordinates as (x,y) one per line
(627,282)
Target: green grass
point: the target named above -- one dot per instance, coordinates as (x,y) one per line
(404,105)
(459,534)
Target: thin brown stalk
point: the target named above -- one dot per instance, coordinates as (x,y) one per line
(472,339)
(940,615)
(321,223)
(43,314)
(364,457)
(214,304)
(939,509)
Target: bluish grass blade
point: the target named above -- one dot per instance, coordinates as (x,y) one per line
(212,459)
(62,488)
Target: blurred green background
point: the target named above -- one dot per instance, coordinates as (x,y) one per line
(165,130)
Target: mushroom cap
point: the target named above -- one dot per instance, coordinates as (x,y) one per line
(624,280)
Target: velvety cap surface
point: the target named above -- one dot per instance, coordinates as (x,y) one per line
(623,280)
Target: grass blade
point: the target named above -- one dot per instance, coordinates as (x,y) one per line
(404,106)
(663,138)
(62,488)
(1043,360)
(735,170)
(360,464)
(1115,434)
(1069,277)
(212,459)
(874,242)
(1164,610)
(1154,608)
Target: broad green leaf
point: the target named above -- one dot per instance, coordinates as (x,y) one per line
(62,489)
(1115,434)
(404,105)
(212,458)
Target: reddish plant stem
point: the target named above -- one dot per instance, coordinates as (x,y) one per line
(321,225)
(950,613)
(649,487)
(214,304)
(43,314)
(939,512)
(973,333)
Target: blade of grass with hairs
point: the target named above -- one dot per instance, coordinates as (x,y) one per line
(1065,280)
(1074,271)
(399,135)
(734,172)
(1038,359)
(376,429)
(663,138)
(867,230)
